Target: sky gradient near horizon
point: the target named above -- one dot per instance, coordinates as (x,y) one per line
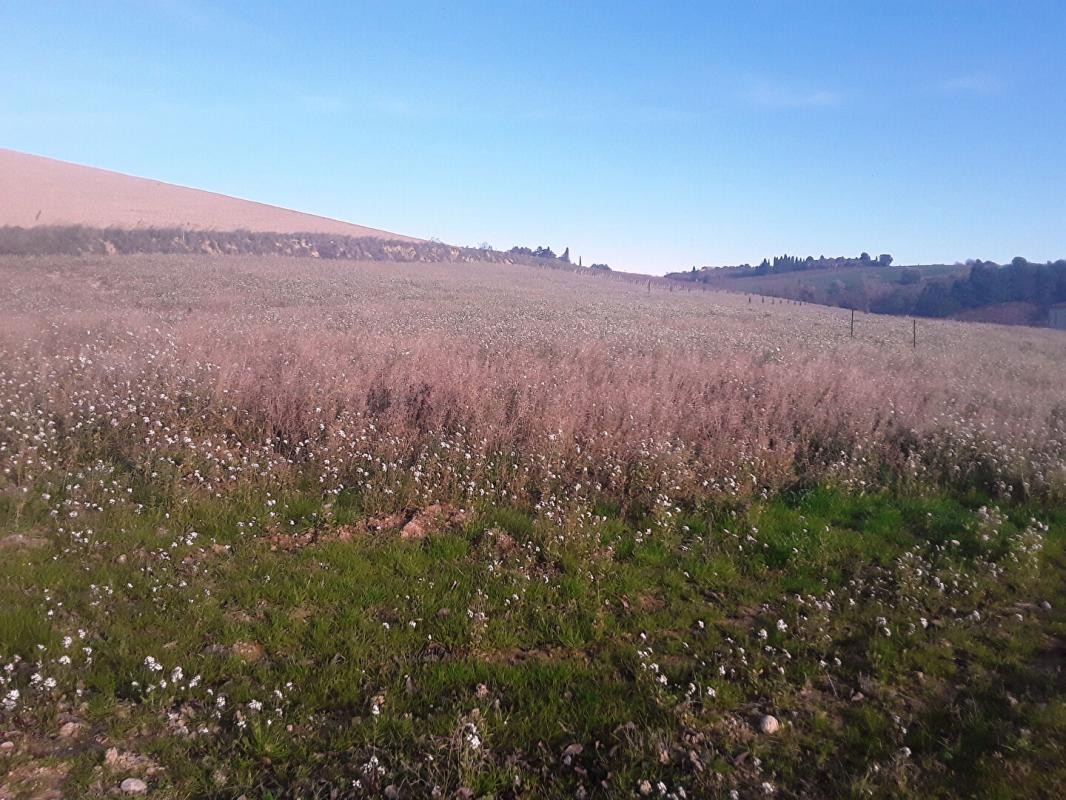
(651,136)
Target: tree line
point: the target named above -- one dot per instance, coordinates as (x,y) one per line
(987,283)
(785,263)
(547,252)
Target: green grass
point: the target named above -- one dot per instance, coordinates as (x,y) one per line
(404,651)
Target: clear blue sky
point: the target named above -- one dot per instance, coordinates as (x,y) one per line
(653,136)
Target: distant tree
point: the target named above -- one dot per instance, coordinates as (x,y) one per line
(565,256)
(884,259)
(603,267)
(484,246)
(865,258)
(935,301)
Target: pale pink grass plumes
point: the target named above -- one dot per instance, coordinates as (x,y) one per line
(502,381)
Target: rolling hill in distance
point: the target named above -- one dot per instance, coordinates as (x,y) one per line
(39,191)
(54,207)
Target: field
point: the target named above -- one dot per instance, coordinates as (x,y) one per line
(274,528)
(822,279)
(848,287)
(40,191)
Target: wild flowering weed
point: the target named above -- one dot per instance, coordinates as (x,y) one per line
(176,434)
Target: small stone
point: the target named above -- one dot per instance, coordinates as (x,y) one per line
(69,730)
(645,788)
(443,612)
(248,651)
(858,697)
(1044,604)
(134,786)
(392,792)
(769,724)
(570,752)
(7,747)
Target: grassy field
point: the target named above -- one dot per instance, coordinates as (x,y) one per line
(837,286)
(850,276)
(275,528)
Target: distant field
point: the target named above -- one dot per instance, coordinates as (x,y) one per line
(277,527)
(850,277)
(40,191)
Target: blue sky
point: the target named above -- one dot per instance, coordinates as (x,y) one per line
(652,136)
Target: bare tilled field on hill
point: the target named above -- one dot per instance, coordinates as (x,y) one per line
(272,527)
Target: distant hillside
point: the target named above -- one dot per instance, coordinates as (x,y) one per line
(784,264)
(849,283)
(73,240)
(1005,314)
(39,191)
(1019,293)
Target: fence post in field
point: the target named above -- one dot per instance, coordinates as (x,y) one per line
(853,323)
(914,334)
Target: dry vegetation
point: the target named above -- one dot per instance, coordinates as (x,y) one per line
(482,529)
(577,375)
(40,191)
(80,240)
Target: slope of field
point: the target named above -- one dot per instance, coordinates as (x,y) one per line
(849,287)
(822,280)
(274,528)
(1005,314)
(39,191)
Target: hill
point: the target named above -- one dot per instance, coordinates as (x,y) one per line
(40,191)
(847,286)
(1019,293)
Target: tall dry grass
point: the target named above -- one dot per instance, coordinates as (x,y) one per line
(413,383)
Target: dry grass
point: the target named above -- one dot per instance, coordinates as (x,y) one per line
(541,376)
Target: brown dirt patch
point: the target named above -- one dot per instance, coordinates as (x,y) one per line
(35,782)
(413,524)
(23,541)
